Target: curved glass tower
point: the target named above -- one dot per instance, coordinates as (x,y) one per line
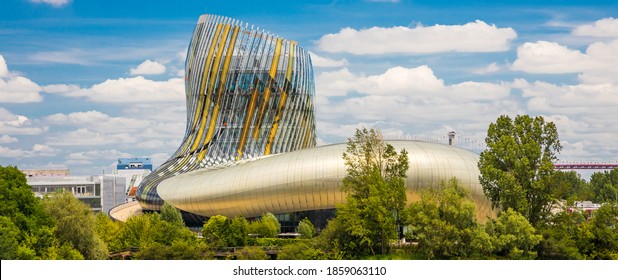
(249,94)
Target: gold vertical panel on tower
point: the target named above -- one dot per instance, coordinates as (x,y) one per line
(239,79)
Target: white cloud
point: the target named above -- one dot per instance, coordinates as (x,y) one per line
(412,97)
(37,150)
(585,115)
(334,83)
(4,69)
(549,57)
(86,137)
(55,3)
(133,90)
(401,80)
(318,61)
(151,144)
(18,124)
(70,56)
(573,99)
(96,155)
(60,88)
(5,139)
(139,126)
(607,27)
(148,67)
(78,118)
(491,68)
(475,36)
(158,158)
(419,81)
(596,65)
(15,88)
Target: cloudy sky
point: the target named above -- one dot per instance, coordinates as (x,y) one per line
(85,82)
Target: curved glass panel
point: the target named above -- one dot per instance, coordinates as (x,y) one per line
(249,93)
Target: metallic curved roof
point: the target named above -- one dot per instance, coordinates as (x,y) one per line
(309,179)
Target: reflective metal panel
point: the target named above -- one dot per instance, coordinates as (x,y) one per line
(309,179)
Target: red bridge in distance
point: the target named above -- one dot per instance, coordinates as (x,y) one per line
(585,165)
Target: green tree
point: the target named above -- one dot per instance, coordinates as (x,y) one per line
(306,228)
(76,225)
(375,193)
(178,250)
(336,242)
(109,232)
(517,166)
(171,214)
(238,232)
(267,226)
(215,231)
(9,234)
(604,186)
(604,228)
(562,237)
(569,186)
(512,236)
(301,251)
(18,204)
(251,253)
(147,229)
(444,224)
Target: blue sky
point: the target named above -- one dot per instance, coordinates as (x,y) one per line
(83,82)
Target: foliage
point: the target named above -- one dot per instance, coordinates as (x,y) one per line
(219,231)
(301,251)
(272,242)
(178,250)
(171,214)
(144,230)
(604,228)
(238,232)
(375,194)
(444,224)
(215,230)
(517,166)
(9,234)
(512,236)
(63,252)
(76,225)
(306,228)
(266,226)
(604,186)
(570,236)
(108,231)
(251,253)
(563,236)
(35,236)
(570,187)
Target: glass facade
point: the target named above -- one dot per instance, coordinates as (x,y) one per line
(249,94)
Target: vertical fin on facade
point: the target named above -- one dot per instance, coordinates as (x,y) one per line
(267,89)
(200,111)
(249,116)
(220,89)
(282,98)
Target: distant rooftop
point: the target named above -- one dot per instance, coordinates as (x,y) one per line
(46,172)
(134,163)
